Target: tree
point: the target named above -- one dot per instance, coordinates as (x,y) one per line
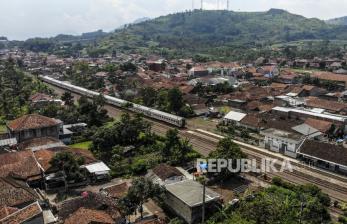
(127,131)
(229,150)
(138,194)
(279,203)
(68,98)
(175,150)
(69,164)
(175,100)
(148,96)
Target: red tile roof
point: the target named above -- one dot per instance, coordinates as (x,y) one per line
(40,97)
(322,126)
(325,151)
(6,211)
(118,190)
(89,216)
(22,215)
(22,164)
(44,156)
(32,121)
(329,76)
(15,192)
(251,120)
(164,171)
(325,104)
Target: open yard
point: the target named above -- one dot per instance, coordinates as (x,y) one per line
(82,145)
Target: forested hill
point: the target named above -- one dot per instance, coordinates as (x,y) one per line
(338,21)
(220,34)
(205,29)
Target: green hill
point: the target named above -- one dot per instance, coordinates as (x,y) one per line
(338,21)
(211,31)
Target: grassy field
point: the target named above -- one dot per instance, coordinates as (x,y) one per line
(82,145)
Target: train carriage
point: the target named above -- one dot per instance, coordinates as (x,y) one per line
(146,111)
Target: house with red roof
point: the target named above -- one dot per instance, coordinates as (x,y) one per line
(33,126)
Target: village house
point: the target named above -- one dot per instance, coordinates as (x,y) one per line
(233,117)
(39,100)
(157,65)
(184,198)
(280,141)
(21,204)
(329,76)
(324,155)
(269,71)
(302,114)
(305,91)
(22,165)
(33,126)
(198,72)
(164,174)
(327,105)
(31,214)
(116,191)
(89,208)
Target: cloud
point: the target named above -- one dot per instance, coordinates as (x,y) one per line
(21,19)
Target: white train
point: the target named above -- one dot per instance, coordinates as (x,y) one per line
(146,111)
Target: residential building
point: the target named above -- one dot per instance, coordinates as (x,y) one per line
(164,174)
(39,100)
(185,199)
(302,114)
(116,191)
(198,72)
(280,141)
(325,155)
(22,165)
(88,216)
(34,126)
(233,117)
(31,214)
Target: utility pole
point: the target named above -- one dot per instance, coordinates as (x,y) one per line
(203,200)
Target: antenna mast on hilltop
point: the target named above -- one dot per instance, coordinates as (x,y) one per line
(193,5)
(202,4)
(228,4)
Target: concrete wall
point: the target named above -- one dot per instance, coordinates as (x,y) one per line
(275,143)
(179,207)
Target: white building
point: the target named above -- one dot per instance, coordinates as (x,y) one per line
(233,117)
(283,142)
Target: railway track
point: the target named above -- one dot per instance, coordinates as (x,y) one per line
(205,143)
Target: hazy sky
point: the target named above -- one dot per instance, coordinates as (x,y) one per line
(21,19)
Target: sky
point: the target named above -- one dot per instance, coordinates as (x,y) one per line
(22,19)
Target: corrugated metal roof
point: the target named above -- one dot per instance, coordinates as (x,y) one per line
(235,116)
(98,167)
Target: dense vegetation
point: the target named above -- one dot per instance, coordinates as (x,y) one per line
(16,88)
(169,100)
(220,33)
(280,203)
(338,21)
(208,35)
(87,111)
(129,146)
